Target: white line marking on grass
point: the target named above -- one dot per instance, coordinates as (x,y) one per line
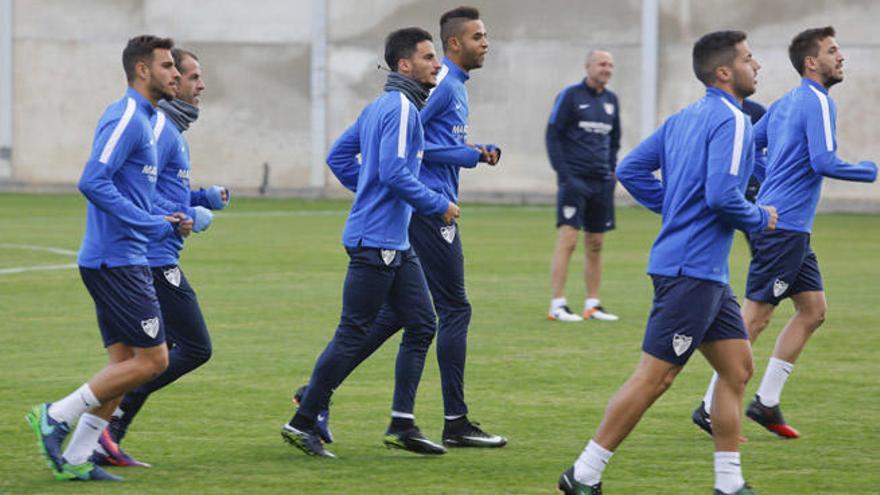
(21,269)
(333,213)
(281,213)
(47,249)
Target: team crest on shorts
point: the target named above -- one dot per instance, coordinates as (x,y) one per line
(151,326)
(569,211)
(172,275)
(779,287)
(387,255)
(681,343)
(448,233)
(609,108)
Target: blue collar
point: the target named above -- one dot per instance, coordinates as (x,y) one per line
(592,91)
(809,82)
(724,94)
(141,101)
(455,70)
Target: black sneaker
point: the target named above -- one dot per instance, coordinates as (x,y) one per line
(701,418)
(569,486)
(770,418)
(322,421)
(745,490)
(412,440)
(463,433)
(307,441)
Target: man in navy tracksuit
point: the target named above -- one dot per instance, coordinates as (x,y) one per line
(583,136)
(706,155)
(383,267)
(438,245)
(185,327)
(799,135)
(119,182)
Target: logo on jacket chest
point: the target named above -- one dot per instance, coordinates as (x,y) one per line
(183,173)
(150,171)
(460,131)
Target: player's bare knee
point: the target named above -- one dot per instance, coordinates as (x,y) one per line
(756,324)
(748,369)
(155,363)
(819,315)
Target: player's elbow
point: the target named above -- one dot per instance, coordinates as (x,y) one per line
(86,187)
(717,202)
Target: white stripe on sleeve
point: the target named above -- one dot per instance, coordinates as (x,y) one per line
(738,134)
(401,132)
(444,70)
(110,145)
(160,125)
(826,118)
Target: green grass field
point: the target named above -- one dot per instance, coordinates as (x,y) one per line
(269,274)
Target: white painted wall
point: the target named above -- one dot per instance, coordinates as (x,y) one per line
(256,57)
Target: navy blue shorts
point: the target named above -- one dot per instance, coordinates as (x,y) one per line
(126,305)
(783,264)
(593,212)
(687,312)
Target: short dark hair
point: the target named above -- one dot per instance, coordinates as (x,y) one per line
(712,50)
(402,43)
(451,22)
(806,44)
(140,49)
(179,54)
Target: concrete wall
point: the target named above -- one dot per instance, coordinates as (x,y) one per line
(256,57)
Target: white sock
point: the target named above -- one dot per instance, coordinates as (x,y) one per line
(592,461)
(591,303)
(557,303)
(454,417)
(85,439)
(710,394)
(72,406)
(728,473)
(402,415)
(773,381)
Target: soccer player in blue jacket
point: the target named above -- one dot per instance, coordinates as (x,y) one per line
(705,154)
(119,182)
(185,327)
(438,245)
(383,268)
(799,134)
(583,137)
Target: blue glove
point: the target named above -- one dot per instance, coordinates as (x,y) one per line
(202,218)
(213,195)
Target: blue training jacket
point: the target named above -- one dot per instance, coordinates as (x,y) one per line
(173,193)
(388,135)
(706,155)
(583,133)
(445,119)
(119,180)
(799,132)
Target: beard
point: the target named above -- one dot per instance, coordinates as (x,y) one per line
(745,87)
(829,79)
(160,92)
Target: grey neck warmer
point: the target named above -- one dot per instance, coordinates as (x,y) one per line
(417,93)
(180,112)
